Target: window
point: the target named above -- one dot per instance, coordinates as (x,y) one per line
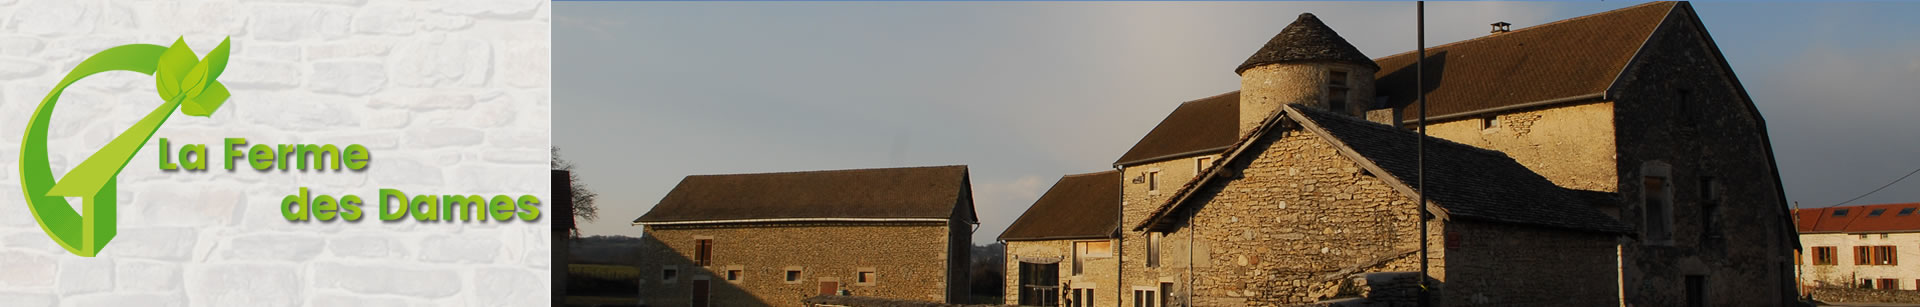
(733,275)
(1710,206)
(1866,283)
(1489,122)
(793,275)
(1659,212)
(1906,211)
(1875,255)
(1887,284)
(1337,91)
(865,277)
(1824,255)
(1696,290)
(1840,212)
(1153,181)
(703,252)
(1200,164)
(1166,294)
(1685,107)
(1144,298)
(1081,297)
(1337,100)
(669,274)
(1153,249)
(1863,236)
(1883,236)
(1876,212)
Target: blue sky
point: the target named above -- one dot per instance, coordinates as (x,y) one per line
(1024,92)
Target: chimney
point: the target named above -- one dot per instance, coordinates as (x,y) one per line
(1501,27)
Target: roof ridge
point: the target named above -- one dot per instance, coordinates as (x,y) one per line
(1509,33)
(1385,127)
(1088,174)
(834,170)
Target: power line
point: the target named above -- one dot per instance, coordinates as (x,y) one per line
(1889,184)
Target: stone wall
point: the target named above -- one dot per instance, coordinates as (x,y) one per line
(1099,274)
(1299,214)
(910,261)
(1678,106)
(1852,295)
(1510,265)
(1265,88)
(1572,145)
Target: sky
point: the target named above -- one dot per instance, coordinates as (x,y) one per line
(647,93)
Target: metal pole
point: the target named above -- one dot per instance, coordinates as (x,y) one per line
(1420,97)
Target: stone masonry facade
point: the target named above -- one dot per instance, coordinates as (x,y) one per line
(1099,274)
(908,261)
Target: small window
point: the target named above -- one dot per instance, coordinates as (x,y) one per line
(703,252)
(1489,122)
(1906,211)
(1337,100)
(1200,164)
(1840,212)
(1883,236)
(1153,181)
(1337,77)
(669,274)
(1659,210)
(793,275)
(1153,249)
(733,275)
(865,277)
(1876,212)
(1824,255)
(1144,298)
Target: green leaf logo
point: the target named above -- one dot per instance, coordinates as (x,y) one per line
(183,81)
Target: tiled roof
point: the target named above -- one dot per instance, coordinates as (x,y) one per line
(1307,40)
(1903,217)
(1207,123)
(1078,206)
(911,192)
(1464,181)
(1567,58)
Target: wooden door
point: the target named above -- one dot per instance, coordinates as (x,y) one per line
(701,293)
(829,288)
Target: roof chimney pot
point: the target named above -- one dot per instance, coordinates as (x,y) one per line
(1501,27)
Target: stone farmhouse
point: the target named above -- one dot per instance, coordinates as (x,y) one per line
(1604,160)
(1859,246)
(1064,244)
(774,239)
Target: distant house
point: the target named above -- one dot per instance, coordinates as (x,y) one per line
(1617,146)
(1860,246)
(776,238)
(1061,249)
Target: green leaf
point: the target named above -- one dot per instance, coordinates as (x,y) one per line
(216,60)
(208,101)
(206,70)
(173,65)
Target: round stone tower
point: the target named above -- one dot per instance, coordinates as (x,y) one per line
(1307,64)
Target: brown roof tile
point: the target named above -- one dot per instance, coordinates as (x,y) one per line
(1207,123)
(1078,206)
(1561,59)
(1860,219)
(910,192)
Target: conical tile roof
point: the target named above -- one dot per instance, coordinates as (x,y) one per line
(1307,40)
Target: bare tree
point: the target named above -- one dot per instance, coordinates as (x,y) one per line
(583,208)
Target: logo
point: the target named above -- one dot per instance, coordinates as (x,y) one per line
(184,82)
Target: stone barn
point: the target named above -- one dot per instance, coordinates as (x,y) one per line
(774,239)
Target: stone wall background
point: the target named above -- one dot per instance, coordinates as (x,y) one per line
(909,262)
(450,96)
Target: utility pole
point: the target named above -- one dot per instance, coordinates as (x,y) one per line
(1420,97)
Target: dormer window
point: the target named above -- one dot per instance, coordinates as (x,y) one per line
(1906,211)
(1840,213)
(1876,212)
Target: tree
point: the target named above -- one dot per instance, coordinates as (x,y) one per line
(583,208)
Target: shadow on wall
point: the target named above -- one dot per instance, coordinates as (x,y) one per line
(668,278)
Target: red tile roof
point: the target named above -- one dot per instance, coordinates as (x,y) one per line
(1859,219)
